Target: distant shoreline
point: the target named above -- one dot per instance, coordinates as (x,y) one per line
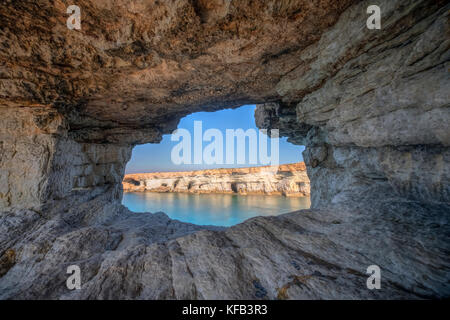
(288,180)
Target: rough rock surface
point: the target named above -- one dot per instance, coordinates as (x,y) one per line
(288,180)
(308,254)
(371,106)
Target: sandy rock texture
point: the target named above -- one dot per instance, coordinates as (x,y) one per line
(288,180)
(371,107)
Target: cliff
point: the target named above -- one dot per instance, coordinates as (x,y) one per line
(287,180)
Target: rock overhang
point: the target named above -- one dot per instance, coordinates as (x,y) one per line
(325,80)
(141,64)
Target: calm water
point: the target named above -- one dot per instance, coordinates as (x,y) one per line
(212,209)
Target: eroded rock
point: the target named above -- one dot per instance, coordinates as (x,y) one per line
(371,106)
(287,180)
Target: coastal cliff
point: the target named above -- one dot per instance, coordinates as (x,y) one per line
(287,180)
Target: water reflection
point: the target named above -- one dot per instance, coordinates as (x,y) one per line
(212,209)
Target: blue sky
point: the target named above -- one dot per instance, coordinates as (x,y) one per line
(157,157)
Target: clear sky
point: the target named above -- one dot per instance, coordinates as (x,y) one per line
(157,157)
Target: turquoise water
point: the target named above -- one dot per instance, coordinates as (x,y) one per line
(212,209)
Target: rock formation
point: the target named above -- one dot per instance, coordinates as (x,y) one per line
(371,107)
(288,180)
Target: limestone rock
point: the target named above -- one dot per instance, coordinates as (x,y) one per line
(371,107)
(287,180)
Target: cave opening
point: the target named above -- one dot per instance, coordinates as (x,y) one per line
(236,175)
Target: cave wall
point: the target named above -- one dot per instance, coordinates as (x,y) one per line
(74,102)
(29,138)
(371,106)
(348,93)
(374,107)
(40,163)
